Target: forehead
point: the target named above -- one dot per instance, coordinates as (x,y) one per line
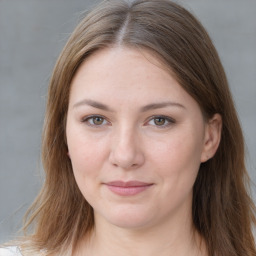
(117,61)
(126,74)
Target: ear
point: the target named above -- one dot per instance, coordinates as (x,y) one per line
(212,137)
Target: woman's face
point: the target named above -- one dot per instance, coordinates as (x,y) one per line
(136,139)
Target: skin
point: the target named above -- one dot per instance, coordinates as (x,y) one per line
(129,119)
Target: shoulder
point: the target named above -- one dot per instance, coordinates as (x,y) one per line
(10,251)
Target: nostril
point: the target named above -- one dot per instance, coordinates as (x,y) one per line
(129,160)
(126,151)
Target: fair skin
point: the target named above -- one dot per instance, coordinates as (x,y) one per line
(136,140)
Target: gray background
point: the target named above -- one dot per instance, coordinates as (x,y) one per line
(32,33)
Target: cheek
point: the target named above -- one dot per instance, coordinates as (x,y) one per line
(178,159)
(87,155)
(178,151)
(86,165)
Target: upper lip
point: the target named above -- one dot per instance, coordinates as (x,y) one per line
(125,184)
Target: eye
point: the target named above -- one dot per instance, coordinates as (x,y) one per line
(95,120)
(161,121)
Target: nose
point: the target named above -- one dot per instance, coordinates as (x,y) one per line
(126,150)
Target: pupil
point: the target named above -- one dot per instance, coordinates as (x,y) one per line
(98,120)
(159,121)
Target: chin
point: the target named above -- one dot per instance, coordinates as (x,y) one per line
(131,223)
(128,218)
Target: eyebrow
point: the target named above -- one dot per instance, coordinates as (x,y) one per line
(161,105)
(145,108)
(94,104)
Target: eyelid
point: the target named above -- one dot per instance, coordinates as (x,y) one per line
(86,118)
(170,120)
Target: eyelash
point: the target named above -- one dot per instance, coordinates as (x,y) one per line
(93,117)
(167,121)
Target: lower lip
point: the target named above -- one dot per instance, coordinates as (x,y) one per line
(128,191)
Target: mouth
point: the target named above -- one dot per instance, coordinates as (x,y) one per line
(129,188)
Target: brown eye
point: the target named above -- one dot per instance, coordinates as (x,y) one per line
(97,120)
(159,121)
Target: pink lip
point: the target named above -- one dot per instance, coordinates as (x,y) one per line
(127,188)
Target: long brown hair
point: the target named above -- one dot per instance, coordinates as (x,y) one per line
(223,212)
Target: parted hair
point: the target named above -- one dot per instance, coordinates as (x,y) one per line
(223,211)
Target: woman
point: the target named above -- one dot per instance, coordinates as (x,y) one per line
(142,148)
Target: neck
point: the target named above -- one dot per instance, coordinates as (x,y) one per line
(173,238)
